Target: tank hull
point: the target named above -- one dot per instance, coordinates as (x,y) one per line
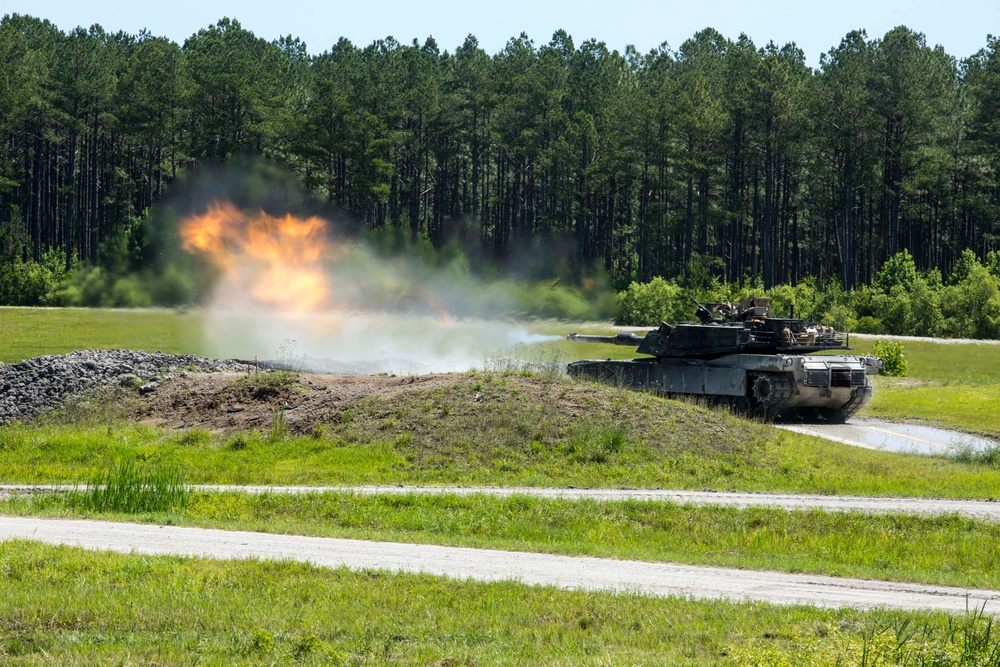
(826,388)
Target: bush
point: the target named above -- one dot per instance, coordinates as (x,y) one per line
(648,304)
(891,354)
(840,317)
(970,304)
(27,283)
(892,311)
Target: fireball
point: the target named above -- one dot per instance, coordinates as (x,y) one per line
(278,261)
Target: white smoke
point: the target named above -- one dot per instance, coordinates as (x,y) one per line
(385,316)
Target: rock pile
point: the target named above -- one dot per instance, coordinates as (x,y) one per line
(34,386)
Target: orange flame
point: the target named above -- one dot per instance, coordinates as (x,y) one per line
(278,261)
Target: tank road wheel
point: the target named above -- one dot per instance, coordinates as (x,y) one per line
(741,405)
(768,391)
(715,401)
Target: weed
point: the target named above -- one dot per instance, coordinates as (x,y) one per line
(988,457)
(106,406)
(132,490)
(238,442)
(194,437)
(263,385)
(261,641)
(279,425)
(306,645)
(528,361)
(287,367)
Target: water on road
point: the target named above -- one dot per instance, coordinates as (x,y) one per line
(907,438)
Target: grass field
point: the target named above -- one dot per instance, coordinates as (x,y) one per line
(33,332)
(965,407)
(67,606)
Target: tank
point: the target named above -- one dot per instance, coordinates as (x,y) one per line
(741,357)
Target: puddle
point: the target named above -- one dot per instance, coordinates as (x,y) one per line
(888,436)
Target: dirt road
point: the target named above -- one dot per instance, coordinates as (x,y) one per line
(657,579)
(987,510)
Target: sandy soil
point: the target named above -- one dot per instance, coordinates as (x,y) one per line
(658,579)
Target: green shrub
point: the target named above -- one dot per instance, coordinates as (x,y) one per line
(26,283)
(972,307)
(174,287)
(648,304)
(892,311)
(891,354)
(840,317)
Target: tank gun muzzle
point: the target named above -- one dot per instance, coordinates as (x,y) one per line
(624,338)
(872,365)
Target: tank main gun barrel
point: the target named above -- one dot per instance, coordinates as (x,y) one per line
(627,339)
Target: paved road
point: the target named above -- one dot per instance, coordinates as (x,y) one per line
(988,510)
(657,579)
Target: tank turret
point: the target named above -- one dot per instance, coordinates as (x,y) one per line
(739,356)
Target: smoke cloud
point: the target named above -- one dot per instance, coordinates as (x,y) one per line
(300,290)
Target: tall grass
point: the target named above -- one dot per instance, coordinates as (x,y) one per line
(888,641)
(129,489)
(279,425)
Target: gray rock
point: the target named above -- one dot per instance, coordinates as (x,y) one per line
(35,386)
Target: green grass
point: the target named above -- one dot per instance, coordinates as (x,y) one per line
(974,408)
(948,385)
(964,363)
(32,332)
(129,488)
(602,437)
(66,606)
(70,607)
(947,550)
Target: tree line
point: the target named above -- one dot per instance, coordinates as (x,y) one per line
(718,156)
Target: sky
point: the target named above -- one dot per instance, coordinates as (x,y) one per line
(960,26)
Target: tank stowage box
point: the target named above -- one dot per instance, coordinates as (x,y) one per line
(741,357)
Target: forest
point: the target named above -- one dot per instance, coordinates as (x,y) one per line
(718,158)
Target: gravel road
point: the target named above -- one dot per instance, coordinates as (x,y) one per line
(987,510)
(657,579)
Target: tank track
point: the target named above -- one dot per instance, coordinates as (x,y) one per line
(861,397)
